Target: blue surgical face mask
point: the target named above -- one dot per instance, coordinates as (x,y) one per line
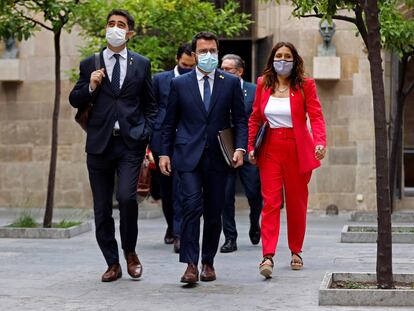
(207,62)
(182,70)
(283,67)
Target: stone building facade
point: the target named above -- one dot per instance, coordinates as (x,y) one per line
(347,175)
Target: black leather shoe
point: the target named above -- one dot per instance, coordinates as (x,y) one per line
(254,234)
(177,245)
(229,246)
(169,237)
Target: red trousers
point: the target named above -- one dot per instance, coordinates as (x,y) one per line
(279,168)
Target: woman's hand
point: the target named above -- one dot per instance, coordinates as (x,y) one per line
(320,152)
(252,158)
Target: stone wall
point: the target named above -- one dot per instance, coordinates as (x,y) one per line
(26,112)
(348,170)
(25,130)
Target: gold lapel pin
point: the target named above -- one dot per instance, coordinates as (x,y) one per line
(130,60)
(221,76)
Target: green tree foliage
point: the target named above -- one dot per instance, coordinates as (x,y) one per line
(161,25)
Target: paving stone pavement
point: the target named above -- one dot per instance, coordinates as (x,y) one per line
(65,274)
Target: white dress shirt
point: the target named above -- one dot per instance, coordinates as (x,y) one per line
(200,80)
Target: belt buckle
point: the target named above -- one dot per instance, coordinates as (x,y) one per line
(116,132)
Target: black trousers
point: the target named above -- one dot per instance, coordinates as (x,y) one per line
(171,198)
(116,158)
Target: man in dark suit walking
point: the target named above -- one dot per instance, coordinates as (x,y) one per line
(248,173)
(118,131)
(169,185)
(201,103)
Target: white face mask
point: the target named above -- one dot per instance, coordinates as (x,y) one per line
(115,36)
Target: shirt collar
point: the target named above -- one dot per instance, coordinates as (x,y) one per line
(176,73)
(110,53)
(201,75)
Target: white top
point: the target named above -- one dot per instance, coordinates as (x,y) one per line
(200,81)
(278,112)
(109,59)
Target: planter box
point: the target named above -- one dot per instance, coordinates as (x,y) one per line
(372,217)
(368,234)
(45,233)
(364,297)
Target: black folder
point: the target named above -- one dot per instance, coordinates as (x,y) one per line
(259,138)
(226,142)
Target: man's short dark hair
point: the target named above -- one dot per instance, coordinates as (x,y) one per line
(124,13)
(203,35)
(238,61)
(184,49)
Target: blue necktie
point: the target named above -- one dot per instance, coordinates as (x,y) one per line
(207,93)
(116,76)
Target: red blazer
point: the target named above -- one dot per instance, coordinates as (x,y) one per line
(305,141)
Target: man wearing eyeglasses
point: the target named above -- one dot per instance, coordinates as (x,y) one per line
(201,103)
(248,173)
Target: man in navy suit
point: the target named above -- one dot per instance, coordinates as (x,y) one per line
(248,173)
(118,132)
(169,185)
(202,103)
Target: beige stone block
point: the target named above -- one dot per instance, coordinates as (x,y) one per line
(69,132)
(78,152)
(344,201)
(67,176)
(361,130)
(339,136)
(12,177)
(11,70)
(35,176)
(25,132)
(334,89)
(336,179)
(64,153)
(349,66)
(41,153)
(20,111)
(71,199)
(366,152)
(326,68)
(365,178)
(13,153)
(342,155)
(41,68)
(6,198)
(37,92)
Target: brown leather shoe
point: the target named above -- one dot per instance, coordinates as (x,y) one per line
(177,245)
(207,273)
(113,273)
(133,264)
(190,275)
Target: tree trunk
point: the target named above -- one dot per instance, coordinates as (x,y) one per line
(384,242)
(47,220)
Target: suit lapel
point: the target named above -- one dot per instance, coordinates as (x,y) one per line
(129,69)
(193,83)
(217,85)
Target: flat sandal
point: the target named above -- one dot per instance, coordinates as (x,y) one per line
(296,263)
(266,268)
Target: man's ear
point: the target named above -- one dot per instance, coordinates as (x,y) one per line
(130,34)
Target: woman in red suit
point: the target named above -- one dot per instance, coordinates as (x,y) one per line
(289,152)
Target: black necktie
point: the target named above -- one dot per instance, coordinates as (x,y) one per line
(207,93)
(116,76)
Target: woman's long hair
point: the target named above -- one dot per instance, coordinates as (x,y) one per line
(297,75)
